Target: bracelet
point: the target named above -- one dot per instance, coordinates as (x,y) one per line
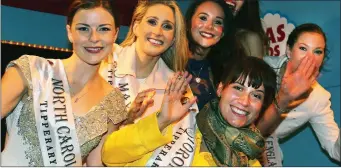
(281,111)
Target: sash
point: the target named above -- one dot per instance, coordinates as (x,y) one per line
(180,151)
(53,113)
(272,155)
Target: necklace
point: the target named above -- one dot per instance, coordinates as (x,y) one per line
(197,76)
(79,97)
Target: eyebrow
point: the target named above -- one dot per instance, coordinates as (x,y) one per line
(308,46)
(251,86)
(154,17)
(208,14)
(83,24)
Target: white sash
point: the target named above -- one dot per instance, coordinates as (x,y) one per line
(272,154)
(53,113)
(180,151)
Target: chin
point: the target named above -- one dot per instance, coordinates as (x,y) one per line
(154,53)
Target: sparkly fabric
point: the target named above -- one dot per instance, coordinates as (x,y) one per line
(89,127)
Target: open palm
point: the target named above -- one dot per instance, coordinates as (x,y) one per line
(173,107)
(296,82)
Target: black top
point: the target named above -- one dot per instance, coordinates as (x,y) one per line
(201,85)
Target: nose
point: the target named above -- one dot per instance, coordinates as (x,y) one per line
(209,25)
(244,99)
(157,30)
(94,36)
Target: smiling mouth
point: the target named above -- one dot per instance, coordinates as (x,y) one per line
(155,41)
(93,50)
(206,34)
(239,111)
(232,4)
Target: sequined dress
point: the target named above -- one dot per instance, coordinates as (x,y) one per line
(22,146)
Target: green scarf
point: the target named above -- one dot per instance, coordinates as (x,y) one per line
(228,145)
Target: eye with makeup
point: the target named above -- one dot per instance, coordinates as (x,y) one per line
(303,48)
(152,22)
(167,26)
(319,52)
(82,28)
(203,17)
(237,87)
(218,22)
(257,95)
(104,29)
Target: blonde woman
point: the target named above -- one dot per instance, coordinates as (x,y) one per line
(155,46)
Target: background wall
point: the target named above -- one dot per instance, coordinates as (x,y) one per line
(302,149)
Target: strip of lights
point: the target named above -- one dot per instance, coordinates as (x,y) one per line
(35,46)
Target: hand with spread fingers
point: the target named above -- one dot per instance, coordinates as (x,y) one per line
(172,108)
(296,82)
(139,105)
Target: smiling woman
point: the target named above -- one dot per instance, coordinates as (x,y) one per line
(49,120)
(209,25)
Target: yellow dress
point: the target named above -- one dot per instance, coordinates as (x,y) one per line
(134,144)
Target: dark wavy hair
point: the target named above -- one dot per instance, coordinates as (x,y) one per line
(220,51)
(259,73)
(91,4)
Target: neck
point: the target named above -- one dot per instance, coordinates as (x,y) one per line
(78,72)
(144,63)
(200,54)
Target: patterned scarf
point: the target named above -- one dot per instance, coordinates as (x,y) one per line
(228,145)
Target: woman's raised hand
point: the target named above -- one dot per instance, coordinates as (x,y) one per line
(140,104)
(172,108)
(297,81)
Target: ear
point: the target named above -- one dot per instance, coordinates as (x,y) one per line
(288,51)
(116,34)
(69,34)
(219,89)
(135,27)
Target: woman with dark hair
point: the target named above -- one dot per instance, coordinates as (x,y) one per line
(58,112)
(301,98)
(209,29)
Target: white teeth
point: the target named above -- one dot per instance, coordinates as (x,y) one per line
(238,111)
(206,34)
(155,41)
(230,3)
(93,49)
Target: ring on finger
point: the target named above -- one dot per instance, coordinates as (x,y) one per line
(179,77)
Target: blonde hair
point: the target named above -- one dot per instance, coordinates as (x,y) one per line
(176,56)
